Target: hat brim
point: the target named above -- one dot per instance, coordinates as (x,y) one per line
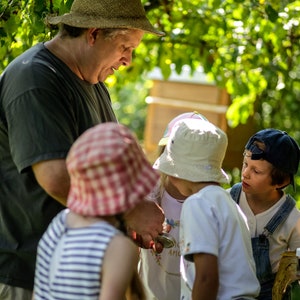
(193,173)
(163,141)
(101,204)
(76,20)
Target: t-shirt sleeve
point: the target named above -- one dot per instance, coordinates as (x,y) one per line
(46,107)
(199,228)
(40,127)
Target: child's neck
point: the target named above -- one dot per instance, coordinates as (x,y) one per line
(197,186)
(173,191)
(262,202)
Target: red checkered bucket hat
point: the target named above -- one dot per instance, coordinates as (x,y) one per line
(109,171)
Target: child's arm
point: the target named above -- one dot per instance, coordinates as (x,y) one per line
(119,266)
(206,282)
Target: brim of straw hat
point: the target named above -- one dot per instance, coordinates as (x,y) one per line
(77,20)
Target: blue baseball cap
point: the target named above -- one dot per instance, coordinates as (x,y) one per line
(281,150)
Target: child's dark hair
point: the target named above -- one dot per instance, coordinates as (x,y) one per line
(279,177)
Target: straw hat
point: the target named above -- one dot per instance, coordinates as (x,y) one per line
(106,14)
(194,152)
(109,171)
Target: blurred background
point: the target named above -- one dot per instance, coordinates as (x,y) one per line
(237,62)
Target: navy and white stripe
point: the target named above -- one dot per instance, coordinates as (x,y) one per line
(69,261)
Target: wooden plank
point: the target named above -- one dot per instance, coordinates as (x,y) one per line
(204,93)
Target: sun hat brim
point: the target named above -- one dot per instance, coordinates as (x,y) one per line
(84,21)
(193,173)
(195,151)
(163,141)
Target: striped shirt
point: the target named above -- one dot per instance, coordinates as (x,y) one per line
(69,260)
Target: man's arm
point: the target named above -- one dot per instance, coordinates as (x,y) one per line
(145,219)
(53,177)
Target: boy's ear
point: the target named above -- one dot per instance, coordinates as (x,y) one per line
(283,185)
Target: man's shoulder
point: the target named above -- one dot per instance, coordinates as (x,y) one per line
(25,68)
(26,57)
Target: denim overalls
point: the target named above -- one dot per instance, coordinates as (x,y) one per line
(260,244)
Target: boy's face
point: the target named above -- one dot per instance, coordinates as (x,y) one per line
(256,175)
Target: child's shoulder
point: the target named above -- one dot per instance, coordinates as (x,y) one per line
(296,210)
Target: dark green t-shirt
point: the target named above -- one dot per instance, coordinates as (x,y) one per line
(44,107)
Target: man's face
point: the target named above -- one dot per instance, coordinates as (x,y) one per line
(107,55)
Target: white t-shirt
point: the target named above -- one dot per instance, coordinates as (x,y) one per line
(285,237)
(211,222)
(160,273)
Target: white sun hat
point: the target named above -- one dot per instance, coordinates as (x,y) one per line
(194,152)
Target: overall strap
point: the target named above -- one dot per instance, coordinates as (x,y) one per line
(235,192)
(281,215)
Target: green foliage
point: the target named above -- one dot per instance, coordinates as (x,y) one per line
(129,102)
(250,47)
(22,25)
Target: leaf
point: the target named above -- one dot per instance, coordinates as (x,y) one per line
(272,13)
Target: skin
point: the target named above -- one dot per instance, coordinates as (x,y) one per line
(119,266)
(257,185)
(172,190)
(53,177)
(93,58)
(147,228)
(188,188)
(206,282)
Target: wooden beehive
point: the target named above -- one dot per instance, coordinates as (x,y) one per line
(167,99)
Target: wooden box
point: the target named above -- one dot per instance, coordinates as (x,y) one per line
(168,99)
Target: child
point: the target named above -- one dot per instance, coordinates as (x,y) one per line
(160,272)
(84,254)
(271,160)
(217,260)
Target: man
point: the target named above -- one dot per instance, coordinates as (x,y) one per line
(49,96)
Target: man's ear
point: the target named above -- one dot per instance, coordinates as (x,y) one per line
(92,35)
